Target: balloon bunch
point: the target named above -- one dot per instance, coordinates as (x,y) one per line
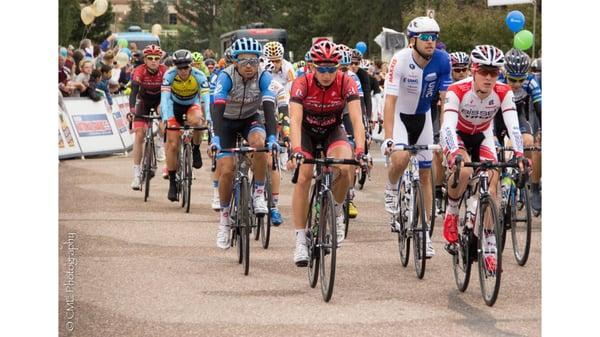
(523,39)
(89,13)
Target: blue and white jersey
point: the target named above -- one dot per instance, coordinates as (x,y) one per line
(357,80)
(212,82)
(416,87)
(529,88)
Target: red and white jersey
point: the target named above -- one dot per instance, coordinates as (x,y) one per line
(464,111)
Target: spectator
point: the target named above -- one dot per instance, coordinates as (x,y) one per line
(133,47)
(103,85)
(77,57)
(82,80)
(95,78)
(88,49)
(64,77)
(107,59)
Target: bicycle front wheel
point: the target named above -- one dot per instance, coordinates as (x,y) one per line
(265,226)
(521,225)
(187,177)
(147,166)
(312,239)
(328,245)
(419,230)
(402,226)
(489,250)
(245,223)
(461,261)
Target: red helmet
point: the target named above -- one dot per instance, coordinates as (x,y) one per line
(325,51)
(152,50)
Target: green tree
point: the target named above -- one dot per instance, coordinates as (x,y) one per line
(158,13)
(136,14)
(68,15)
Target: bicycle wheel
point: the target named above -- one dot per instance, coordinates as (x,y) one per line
(265,227)
(346,210)
(432,215)
(312,240)
(419,230)
(402,225)
(259,221)
(489,271)
(328,244)
(461,261)
(245,223)
(147,166)
(520,227)
(187,181)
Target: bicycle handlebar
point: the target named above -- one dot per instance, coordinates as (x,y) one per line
(187,127)
(533,148)
(320,161)
(150,116)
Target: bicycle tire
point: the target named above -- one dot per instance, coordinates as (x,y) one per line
(245,225)
(181,175)
(462,260)
(419,229)
(312,240)
(489,291)
(328,242)
(259,221)
(265,227)
(187,177)
(521,249)
(346,210)
(146,172)
(433,211)
(403,238)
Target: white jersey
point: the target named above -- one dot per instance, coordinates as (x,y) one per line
(414,86)
(286,75)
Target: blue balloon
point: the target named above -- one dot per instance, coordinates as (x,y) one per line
(362,47)
(515,21)
(126,51)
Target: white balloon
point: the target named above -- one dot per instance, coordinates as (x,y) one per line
(87,15)
(156,29)
(100,7)
(122,59)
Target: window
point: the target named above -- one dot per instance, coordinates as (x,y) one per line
(173,19)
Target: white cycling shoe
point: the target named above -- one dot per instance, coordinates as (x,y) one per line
(301,254)
(260,205)
(223,240)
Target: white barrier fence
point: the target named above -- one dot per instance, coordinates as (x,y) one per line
(89,128)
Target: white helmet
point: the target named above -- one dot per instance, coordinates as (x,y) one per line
(487,55)
(422,24)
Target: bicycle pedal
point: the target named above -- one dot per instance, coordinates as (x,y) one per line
(451,248)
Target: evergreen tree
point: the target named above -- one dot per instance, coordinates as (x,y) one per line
(68,15)
(159,13)
(136,14)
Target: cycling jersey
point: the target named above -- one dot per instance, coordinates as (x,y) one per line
(145,85)
(184,92)
(415,87)
(529,91)
(323,107)
(286,75)
(242,98)
(465,113)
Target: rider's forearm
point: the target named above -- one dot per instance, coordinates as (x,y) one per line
(270,119)
(217,118)
(295,124)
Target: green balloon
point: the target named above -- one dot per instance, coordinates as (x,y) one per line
(523,40)
(122,43)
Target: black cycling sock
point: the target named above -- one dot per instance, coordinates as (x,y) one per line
(172,176)
(196,147)
(438,191)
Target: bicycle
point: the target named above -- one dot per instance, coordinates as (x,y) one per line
(321,230)
(184,169)
(515,209)
(241,206)
(148,154)
(409,220)
(478,214)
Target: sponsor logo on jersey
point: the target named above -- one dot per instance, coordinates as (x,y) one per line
(411,66)
(431,77)
(430,89)
(392,68)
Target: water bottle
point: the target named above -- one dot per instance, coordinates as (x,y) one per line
(505,185)
(471,211)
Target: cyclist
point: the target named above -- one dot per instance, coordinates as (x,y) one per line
(301,68)
(240,90)
(284,70)
(183,89)
(345,62)
(198,63)
(526,90)
(468,129)
(316,108)
(459,62)
(415,75)
(145,95)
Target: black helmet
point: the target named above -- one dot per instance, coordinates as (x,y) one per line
(182,58)
(516,62)
(536,65)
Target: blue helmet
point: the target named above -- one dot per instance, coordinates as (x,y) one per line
(307,56)
(346,58)
(246,45)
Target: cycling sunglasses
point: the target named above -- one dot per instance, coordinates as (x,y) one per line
(516,79)
(428,36)
(355,63)
(460,69)
(253,62)
(186,67)
(484,72)
(153,58)
(327,69)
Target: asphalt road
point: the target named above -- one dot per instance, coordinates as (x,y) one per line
(129,268)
